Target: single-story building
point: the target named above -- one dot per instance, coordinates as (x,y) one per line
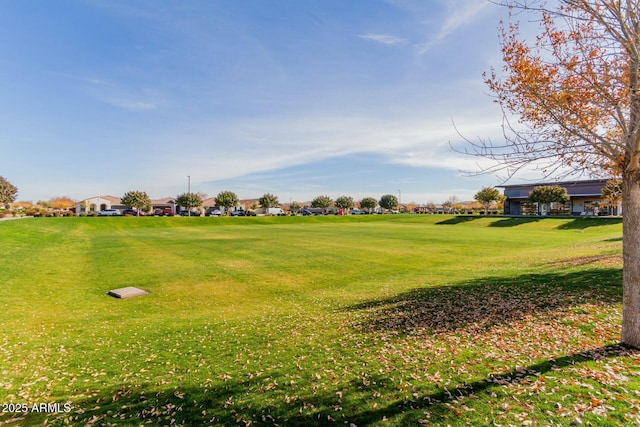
(585,198)
(99,203)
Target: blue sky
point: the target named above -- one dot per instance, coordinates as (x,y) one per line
(295,98)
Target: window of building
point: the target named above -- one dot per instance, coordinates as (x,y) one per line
(591,207)
(528,208)
(561,209)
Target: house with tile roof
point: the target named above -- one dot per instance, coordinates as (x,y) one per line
(99,203)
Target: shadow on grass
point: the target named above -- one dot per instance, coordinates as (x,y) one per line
(515,221)
(458,219)
(234,402)
(490,301)
(438,403)
(588,222)
(274,399)
(499,222)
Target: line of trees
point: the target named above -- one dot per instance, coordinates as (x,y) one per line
(141,202)
(487,196)
(324,202)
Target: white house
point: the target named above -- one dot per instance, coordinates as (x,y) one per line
(98,203)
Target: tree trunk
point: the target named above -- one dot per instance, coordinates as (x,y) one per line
(631,259)
(631,205)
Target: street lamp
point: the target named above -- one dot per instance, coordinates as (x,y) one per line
(399,199)
(188,194)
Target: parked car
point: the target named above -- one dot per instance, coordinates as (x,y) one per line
(163,212)
(358,212)
(319,211)
(212,212)
(305,212)
(133,212)
(109,212)
(192,212)
(238,212)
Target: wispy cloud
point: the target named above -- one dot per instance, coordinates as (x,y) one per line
(115,95)
(130,104)
(227,90)
(274,143)
(459,13)
(386,39)
(95,81)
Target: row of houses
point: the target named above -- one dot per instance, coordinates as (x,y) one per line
(165,205)
(101,203)
(585,199)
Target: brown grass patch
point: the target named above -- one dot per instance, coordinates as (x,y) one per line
(609,261)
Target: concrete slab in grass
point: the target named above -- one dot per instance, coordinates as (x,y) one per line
(128,292)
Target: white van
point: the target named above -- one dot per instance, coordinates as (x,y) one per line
(270,211)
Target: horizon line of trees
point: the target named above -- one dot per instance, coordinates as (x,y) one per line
(139,200)
(487,198)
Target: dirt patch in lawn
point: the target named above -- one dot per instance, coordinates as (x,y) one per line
(611,261)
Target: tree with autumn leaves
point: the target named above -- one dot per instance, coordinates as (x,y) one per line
(575,90)
(488,195)
(612,194)
(61,202)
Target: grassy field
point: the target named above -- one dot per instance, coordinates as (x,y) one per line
(368,320)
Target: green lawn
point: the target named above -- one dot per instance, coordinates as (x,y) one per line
(366,320)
